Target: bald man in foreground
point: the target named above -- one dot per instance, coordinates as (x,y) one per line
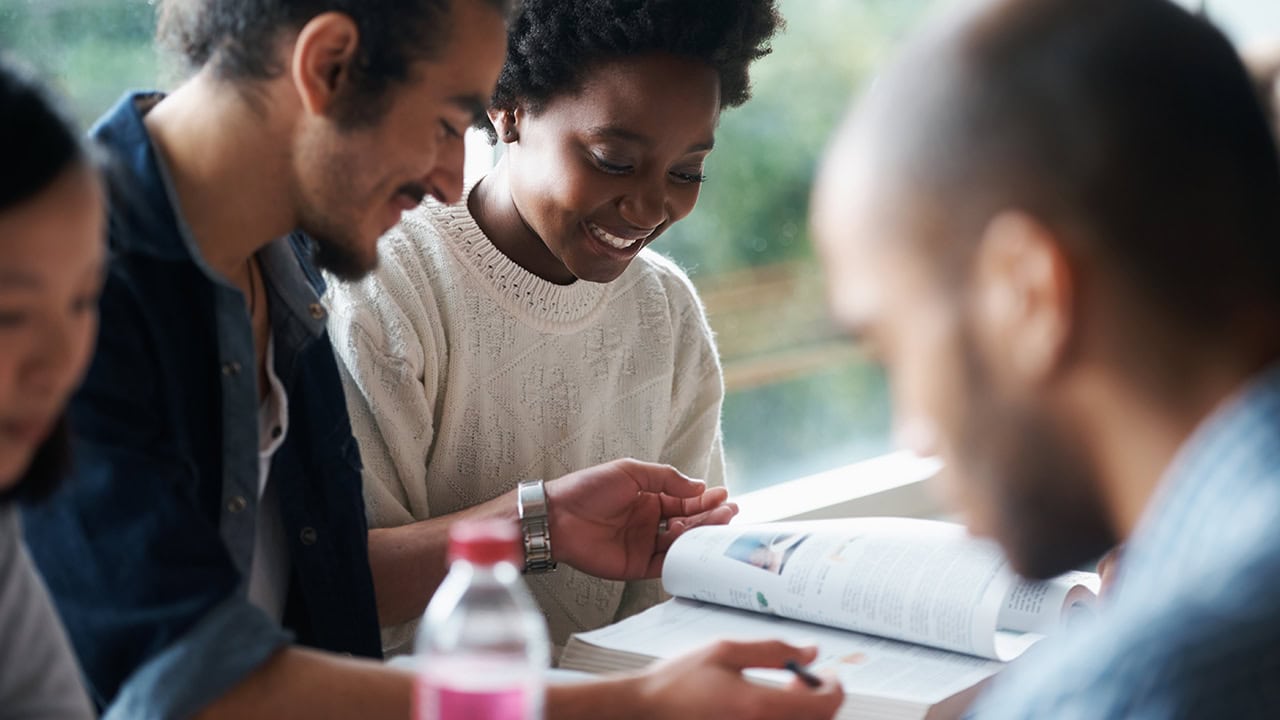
(1057,224)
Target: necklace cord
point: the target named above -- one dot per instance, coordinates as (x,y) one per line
(253,289)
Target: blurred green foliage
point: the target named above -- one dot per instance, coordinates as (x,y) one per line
(752,211)
(753,207)
(91,50)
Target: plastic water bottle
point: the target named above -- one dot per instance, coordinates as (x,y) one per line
(482,647)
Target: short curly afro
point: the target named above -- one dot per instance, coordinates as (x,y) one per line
(552,43)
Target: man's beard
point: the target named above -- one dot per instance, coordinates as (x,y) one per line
(339,260)
(335,249)
(336,241)
(1047,511)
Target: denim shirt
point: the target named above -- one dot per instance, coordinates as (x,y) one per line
(147,549)
(1191,626)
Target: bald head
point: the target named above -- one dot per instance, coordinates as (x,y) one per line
(1042,221)
(1130,128)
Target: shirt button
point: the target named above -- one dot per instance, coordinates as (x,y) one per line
(308,536)
(317,311)
(231,368)
(237,504)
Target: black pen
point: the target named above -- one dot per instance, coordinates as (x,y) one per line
(805,676)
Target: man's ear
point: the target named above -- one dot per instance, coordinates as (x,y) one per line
(506,122)
(322,57)
(1023,298)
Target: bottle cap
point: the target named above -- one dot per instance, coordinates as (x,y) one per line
(485,542)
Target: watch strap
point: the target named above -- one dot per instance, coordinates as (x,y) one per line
(531,506)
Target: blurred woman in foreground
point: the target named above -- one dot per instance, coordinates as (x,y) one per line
(51,262)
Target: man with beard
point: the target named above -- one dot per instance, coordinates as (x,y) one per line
(1055,223)
(212,544)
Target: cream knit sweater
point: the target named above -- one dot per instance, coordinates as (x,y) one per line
(466,374)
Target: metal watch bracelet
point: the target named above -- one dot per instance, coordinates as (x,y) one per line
(531,505)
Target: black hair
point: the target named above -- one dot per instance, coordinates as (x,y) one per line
(238,39)
(553,43)
(39,143)
(1131,128)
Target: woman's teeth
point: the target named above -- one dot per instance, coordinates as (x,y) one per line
(611,240)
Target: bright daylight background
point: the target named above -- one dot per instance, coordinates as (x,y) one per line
(800,399)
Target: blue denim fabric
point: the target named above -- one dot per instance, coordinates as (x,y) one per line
(1191,626)
(146,550)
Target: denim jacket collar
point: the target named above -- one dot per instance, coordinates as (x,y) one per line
(297,288)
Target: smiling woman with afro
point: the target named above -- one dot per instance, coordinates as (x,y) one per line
(528,331)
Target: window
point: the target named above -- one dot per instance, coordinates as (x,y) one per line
(1246,21)
(91,50)
(800,399)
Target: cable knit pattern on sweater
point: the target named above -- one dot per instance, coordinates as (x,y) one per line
(466,374)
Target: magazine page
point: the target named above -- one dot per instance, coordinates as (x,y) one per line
(865,665)
(919,581)
(1039,607)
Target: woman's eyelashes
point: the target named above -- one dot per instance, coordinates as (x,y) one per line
(616,167)
(449,130)
(86,303)
(612,167)
(683,176)
(12,319)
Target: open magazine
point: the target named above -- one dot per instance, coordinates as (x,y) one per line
(912,616)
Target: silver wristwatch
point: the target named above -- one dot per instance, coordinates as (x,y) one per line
(531,504)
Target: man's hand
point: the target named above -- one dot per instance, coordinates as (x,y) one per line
(1107,567)
(605,520)
(709,684)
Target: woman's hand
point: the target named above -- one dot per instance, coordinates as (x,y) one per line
(605,520)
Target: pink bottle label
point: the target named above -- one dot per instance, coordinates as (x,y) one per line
(435,702)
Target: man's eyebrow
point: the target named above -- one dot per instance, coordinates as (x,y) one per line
(474,104)
(625,135)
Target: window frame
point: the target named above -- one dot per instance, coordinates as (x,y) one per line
(895,484)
